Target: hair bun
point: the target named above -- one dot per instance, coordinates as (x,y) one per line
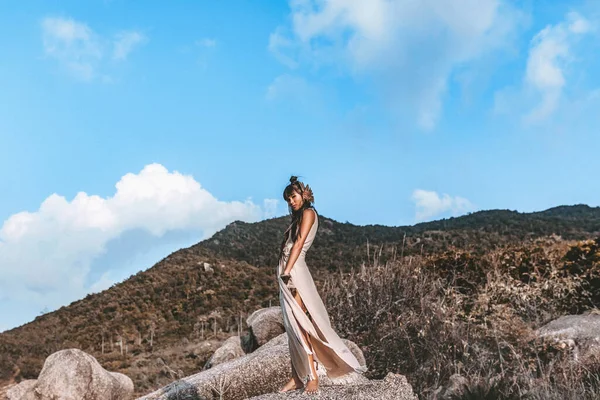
(293,179)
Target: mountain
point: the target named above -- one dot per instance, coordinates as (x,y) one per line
(202,292)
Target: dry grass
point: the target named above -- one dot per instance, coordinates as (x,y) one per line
(435,316)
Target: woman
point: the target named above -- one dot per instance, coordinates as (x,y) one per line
(310,335)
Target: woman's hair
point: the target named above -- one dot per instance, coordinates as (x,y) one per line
(306,192)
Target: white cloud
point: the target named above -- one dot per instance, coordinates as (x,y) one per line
(47,256)
(72,43)
(125,42)
(82,51)
(549,55)
(410,48)
(430,204)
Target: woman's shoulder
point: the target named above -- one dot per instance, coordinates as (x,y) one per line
(310,210)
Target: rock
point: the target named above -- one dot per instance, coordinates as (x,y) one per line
(263,371)
(263,325)
(124,385)
(580,333)
(392,387)
(73,375)
(576,327)
(208,267)
(229,350)
(20,391)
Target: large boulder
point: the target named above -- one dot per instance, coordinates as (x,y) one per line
(579,333)
(229,350)
(392,387)
(73,375)
(263,371)
(263,325)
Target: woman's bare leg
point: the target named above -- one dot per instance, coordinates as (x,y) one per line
(313,384)
(296,382)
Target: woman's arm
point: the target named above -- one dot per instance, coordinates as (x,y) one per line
(308,217)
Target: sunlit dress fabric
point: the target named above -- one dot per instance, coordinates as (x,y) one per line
(327,347)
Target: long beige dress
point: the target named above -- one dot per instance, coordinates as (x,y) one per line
(328,348)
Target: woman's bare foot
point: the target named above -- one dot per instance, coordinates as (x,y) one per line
(311,386)
(291,385)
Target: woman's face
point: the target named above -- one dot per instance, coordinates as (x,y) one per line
(295,200)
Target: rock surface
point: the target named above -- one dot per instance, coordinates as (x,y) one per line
(73,375)
(392,387)
(581,333)
(229,350)
(20,390)
(263,371)
(264,325)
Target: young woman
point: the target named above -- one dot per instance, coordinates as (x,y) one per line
(310,335)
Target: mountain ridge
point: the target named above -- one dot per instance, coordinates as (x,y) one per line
(206,286)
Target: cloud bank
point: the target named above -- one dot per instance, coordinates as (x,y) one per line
(48,256)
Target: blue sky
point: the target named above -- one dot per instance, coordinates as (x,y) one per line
(128,131)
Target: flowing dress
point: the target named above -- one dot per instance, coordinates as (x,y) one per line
(327,347)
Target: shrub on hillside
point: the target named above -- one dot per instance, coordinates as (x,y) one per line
(473,316)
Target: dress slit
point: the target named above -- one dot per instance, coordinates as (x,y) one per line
(301,337)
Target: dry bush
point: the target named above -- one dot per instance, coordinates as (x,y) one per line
(434,316)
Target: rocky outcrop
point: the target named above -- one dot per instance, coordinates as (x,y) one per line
(392,387)
(229,350)
(579,333)
(263,325)
(263,371)
(73,375)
